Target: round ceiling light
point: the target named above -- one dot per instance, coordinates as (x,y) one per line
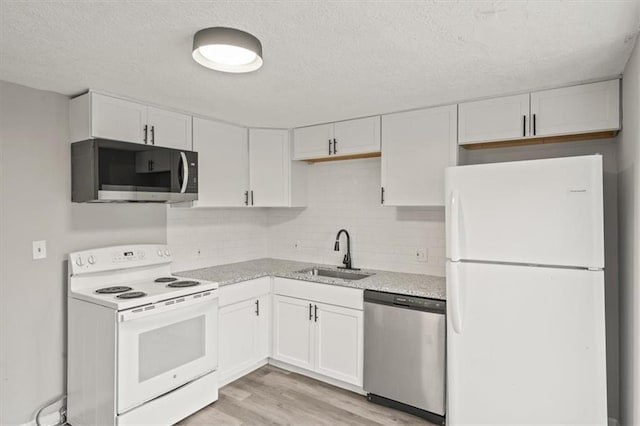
(227,49)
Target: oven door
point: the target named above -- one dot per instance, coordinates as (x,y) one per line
(160,351)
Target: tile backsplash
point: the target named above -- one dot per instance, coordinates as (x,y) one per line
(346,194)
(206,237)
(343,194)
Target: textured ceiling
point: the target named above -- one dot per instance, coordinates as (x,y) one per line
(324,61)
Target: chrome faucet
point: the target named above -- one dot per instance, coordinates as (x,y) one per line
(347,256)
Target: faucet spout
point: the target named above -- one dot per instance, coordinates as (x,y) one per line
(347,256)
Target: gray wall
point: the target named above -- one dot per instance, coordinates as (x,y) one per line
(35,204)
(629,220)
(608,149)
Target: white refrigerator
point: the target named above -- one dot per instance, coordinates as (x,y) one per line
(525,293)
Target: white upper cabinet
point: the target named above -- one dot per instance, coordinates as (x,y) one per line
(489,120)
(223,160)
(344,138)
(170,129)
(586,108)
(313,142)
(94,115)
(416,148)
(117,119)
(359,136)
(269,167)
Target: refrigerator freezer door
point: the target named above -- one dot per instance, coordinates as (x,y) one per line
(543,212)
(530,349)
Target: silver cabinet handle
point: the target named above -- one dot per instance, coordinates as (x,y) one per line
(146,128)
(310,312)
(329,146)
(153,135)
(257,308)
(335,146)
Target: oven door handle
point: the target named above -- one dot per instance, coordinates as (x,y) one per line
(167,305)
(185,172)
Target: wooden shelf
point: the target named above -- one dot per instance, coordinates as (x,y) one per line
(542,140)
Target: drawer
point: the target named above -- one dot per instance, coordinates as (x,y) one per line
(234,293)
(322,293)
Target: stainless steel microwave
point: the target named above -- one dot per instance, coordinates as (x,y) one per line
(111,171)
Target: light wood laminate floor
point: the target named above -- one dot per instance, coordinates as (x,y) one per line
(271,396)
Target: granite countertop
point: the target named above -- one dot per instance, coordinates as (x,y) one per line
(393,282)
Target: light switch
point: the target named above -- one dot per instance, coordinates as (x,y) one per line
(39,249)
(421,255)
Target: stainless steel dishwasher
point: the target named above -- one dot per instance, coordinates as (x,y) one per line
(404,353)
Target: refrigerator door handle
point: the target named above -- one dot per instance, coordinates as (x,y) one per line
(453,297)
(454,225)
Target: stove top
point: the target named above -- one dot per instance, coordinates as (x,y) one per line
(165,279)
(131,294)
(180,284)
(113,290)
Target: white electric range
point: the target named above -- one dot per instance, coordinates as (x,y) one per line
(142,343)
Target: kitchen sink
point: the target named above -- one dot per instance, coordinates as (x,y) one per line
(330,273)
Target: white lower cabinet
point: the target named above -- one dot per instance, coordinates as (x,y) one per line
(322,337)
(244,328)
(339,343)
(292,331)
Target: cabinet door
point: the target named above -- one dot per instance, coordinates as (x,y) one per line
(269,167)
(493,119)
(416,148)
(223,160)
(292,331)
(263,310)
(579,109)
(313,142)
(238,337)
(339,343)
(357,136)
(117,119)
(169,129)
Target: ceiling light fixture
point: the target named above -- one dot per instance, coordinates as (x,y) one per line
(227,49)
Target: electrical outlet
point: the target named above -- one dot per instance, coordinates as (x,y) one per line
(421,255)
(39,249)
(297,245)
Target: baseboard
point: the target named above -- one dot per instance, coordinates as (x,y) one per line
(46,420)
(238,374)
(314,375)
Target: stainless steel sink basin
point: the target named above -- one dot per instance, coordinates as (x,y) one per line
(329,273)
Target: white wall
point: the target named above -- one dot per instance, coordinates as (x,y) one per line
(608,149)
(35,194)
(208,237)
(629,222)
(346,194)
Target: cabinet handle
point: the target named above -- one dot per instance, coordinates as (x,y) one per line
(524,125)
(153,135)
(246,198)
(335,146)
(329,146)
(251,197)
(382,195)
(146,128)
(257,308)
(316,312)
(310,312)
(534,124)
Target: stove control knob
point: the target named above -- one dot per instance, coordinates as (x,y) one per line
(79,261)
(167,252)
(160,253)
(91,260)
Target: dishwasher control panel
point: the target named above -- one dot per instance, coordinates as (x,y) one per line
(404,301)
